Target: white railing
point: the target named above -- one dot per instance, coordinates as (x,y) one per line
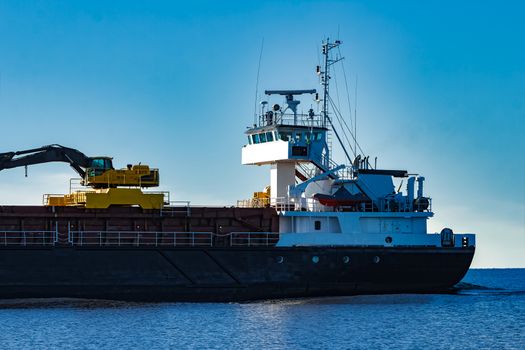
(345,173)
(253,239)
(328,164)
(137,238)
(307,171)
(75,184)
(28,238)
(283,204)
(253,203)
(289,119)
(140,238)
(313,205)
(296,204)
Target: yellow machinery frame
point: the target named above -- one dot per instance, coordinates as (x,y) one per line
(103,198)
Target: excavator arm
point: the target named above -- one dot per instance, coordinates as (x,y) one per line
(97,172)
(51,153)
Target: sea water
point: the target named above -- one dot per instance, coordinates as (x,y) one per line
(487,311)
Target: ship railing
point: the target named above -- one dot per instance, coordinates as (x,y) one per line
(75,184)
(310,170)
(28,238)
(299,119)
(244,203)
(313,205)
(253,239)
(327,160)
(253,203)
(386,205)
(346,173)
(282,204)
(307,169)
(296,204)
(175,208)
(140,238)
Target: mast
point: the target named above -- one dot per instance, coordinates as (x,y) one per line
(325,74)
(325,81)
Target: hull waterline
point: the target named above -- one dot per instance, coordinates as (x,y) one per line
(233,274)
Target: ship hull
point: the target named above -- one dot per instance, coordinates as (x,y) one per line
(226,274)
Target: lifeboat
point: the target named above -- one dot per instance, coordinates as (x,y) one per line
(341,198)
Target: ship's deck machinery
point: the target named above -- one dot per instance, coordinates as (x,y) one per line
(103,185)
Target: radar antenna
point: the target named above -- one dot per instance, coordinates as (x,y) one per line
(290,101)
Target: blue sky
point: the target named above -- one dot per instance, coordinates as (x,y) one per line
(441,92)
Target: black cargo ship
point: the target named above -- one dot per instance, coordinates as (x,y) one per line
(198,254)
(319,229)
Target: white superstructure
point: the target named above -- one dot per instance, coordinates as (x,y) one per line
(321,203)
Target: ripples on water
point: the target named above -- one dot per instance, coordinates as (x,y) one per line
(487,310)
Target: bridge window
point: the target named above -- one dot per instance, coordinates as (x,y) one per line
(269,136)
(255,138)
(285,136)
(262,137)
(249,139)
(318,136)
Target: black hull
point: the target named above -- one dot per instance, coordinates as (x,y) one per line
(226,274)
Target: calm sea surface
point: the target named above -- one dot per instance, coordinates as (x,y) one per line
(487,312)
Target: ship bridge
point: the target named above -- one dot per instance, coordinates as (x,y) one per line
(284,138)
(271,143)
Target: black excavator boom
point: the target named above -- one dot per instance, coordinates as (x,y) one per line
(51,153)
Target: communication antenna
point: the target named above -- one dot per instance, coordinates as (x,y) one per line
(355,115)
(257,83)
(325,73)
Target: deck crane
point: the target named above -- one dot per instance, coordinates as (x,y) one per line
(110,186)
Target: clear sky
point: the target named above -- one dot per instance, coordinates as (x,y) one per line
(441,92)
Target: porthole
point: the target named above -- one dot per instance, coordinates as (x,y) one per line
(388,239)
(376,259)
(346,259)
(315,259)
(280,259)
